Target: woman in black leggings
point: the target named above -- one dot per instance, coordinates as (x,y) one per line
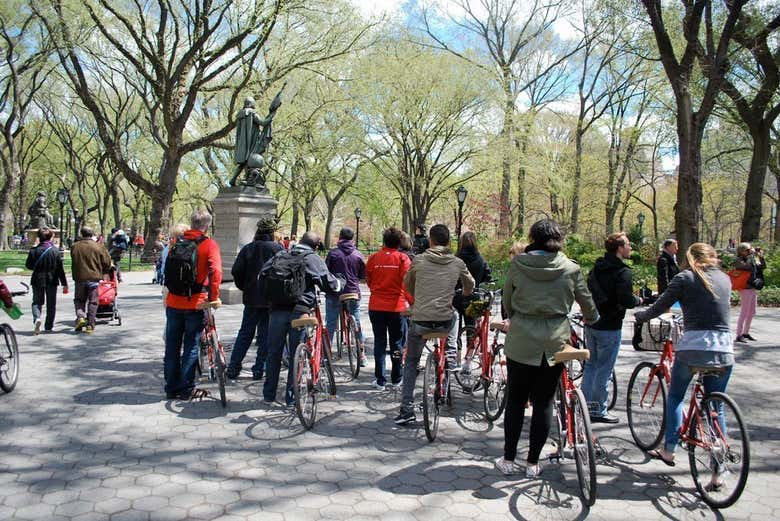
(538,294)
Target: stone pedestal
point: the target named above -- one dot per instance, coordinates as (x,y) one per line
(236,212)
(32,236)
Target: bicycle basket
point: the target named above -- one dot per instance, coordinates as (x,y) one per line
(656,332)
(476,308)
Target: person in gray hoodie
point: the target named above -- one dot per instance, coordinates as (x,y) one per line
(431,281)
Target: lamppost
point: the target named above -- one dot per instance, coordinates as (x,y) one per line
(358,213)
(62,198)
(641,219)
(461,194)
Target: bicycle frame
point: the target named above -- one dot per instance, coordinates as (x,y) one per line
(314,339)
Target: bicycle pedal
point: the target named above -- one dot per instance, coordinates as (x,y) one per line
(555,457)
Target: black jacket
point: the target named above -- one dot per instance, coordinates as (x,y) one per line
(248,264)
(666,268)
(613,278)
(46,262)
(477,266)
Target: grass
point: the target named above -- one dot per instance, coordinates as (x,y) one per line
(17,258)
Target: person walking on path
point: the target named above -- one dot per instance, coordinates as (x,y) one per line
(540,288)
(119,244)
(610,282)
(666,266)
(254,322)
(45,261)
(431,282)
(287,307)
(385,271)
(89,262)
(193,273)
(345,260)
(704,293)
(751,260)
(420,241)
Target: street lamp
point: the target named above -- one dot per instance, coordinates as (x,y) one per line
(62,198)
(461,194)
(641,219)
(358,213)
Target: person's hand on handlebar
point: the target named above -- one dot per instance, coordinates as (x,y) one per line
(505,327)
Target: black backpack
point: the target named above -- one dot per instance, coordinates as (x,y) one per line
(181,267)
(285,280)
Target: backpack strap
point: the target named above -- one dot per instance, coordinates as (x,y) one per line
(40,257)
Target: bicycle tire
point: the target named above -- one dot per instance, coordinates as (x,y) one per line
(721,452)
(612,395)
(220,367)
(584,452)
(646,406)
(559,415)
(303,388)
(9,371)
(326,363)
(468,377)
(353,348)
(431,395)
(494,397)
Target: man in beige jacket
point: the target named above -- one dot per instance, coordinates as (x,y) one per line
(431,281)
(89,262)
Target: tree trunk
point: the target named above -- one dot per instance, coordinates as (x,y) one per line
(12,172)
(575,200)
(328,225)
(751,219)
(521,172)
(687,212)
(504,224)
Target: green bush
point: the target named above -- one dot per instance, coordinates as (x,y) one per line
(582,251)
(772,272)
(767,297)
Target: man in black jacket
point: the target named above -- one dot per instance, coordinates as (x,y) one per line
(667,266)
(254,322)
(45,261)
(279,328)
(612,290)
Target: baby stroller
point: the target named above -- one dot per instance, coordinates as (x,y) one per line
(107,309)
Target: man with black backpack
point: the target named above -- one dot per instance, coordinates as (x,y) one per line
(254,322)
(290,278)
(193,272)
(611,286)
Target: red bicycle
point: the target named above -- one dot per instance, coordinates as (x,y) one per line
(348,334)
(211,355)
(436,382)
(712,429)
(472,367)
(494,375)
(311,357)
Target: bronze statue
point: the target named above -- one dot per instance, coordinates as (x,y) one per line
(38,215)
(252,137)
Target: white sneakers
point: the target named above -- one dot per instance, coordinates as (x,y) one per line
(510,468)
(37,327)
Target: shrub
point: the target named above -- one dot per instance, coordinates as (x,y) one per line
(767,297)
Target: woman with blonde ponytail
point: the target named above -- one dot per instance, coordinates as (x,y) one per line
(703,291)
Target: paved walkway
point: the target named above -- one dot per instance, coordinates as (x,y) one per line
(87,435)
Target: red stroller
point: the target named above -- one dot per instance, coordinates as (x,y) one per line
(107,293)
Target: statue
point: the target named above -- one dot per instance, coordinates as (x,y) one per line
(252,137)
(38,215)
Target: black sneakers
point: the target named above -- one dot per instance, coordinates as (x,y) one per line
(405,417)
(607,418)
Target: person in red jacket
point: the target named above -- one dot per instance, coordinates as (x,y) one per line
(184,319)
(385,272)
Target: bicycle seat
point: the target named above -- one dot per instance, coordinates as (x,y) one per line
(496,326)
(303,322)
(435,334)
(568,352)
(708,370)
(349,296)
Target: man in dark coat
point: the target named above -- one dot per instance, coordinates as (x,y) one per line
(254,323)
(667,266)
(45,261)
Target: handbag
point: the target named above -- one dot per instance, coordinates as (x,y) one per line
(739,279)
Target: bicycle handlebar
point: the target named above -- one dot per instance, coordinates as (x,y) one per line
(25,291)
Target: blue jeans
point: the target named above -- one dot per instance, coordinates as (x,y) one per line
(604,347)
(384,324)
(414,347)
(182,337)
(332,310)
(681,377)
(279,329)
(254,323)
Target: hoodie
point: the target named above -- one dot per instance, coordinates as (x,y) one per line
(345,260)
(431,282)
(610,279)
(539,291)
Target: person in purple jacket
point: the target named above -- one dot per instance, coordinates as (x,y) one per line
(347,261)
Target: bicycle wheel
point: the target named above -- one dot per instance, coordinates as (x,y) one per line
(559,418)
(494,398)
(471,368)
(646,406)
(9,359)
(719,451)
(326,369)
(431,395)
(220,366)
(352,347)
(612,392)
(303,388)
(584,453)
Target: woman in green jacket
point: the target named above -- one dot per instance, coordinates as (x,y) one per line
(538,294)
